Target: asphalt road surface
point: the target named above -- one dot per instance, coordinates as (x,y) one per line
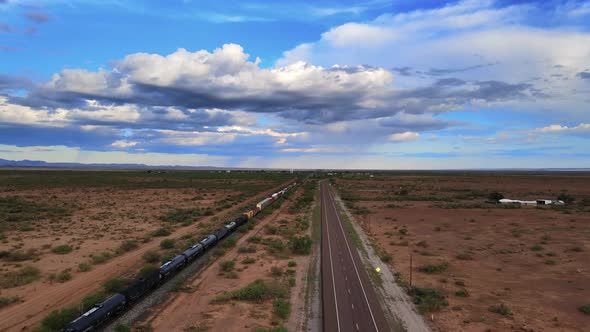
(349,302)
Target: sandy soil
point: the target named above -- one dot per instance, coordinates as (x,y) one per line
(536,261)
(192,310)
(100,219)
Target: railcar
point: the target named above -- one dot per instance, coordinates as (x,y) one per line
(98,314)
(231,226)
(208,241)
(171,266)
(192,252)
(141,286)
(220,233)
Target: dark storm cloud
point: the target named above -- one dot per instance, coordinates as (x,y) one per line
(225,80)
(9,82)
(447,71)
(23,135)
(404,71)
(37,17)
(584,75)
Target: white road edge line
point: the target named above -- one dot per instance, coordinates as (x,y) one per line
(353,263)
(331,265)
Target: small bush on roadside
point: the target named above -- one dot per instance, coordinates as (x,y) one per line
(281,308)
(386,258)
(428,299)
(300,245)
(462,293)
(291,264)
(585,309)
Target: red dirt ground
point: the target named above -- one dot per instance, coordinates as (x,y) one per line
(536,261)
(101,219)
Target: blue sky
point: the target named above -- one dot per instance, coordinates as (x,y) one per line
(315,84)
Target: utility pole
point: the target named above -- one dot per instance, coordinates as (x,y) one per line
(410,270)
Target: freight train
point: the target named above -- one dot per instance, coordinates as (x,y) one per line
(115,304)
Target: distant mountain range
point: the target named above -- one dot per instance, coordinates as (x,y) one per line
(44,164)
(5,163)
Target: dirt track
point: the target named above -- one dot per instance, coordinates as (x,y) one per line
(28,314)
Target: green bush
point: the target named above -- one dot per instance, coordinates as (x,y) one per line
(585,309)
(254,239)
(151,256)
(276,271)
(101,258)
(465,256)
(58,319)
(248,260)
(18,255)
(167,244)
(386,258)
(227,266)
(247,249)
(300,245)
(115,285)
(146,269)
(428,299)
(281,308)
(291,264)
(84,267)
(122,328)
(500,309)
(4,301)
(495,196)
(128,245)
(62,249)
(462,293)
(434,268)
(23,276)
(91,299)
(257,291)
(161,232)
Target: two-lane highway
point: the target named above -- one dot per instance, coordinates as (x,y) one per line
(349,302)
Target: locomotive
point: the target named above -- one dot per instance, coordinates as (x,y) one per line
(104,311)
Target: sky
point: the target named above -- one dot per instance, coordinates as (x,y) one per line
(297,84)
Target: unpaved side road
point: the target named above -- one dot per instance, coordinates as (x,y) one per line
(395,302)
(306,315)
